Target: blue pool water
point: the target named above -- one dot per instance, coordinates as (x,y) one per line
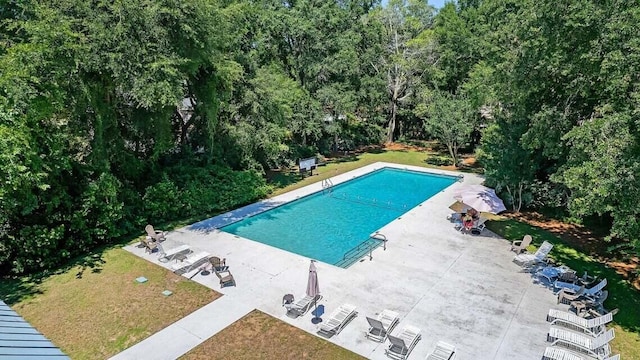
(327,224)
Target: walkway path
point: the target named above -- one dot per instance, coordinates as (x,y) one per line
(178,338)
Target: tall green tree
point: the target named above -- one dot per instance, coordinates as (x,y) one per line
(407,48)
(449,119)
(89,90)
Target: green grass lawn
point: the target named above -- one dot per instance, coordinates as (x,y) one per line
(97,309)
(622,295)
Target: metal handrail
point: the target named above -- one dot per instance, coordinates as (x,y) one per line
(365,245)
(327,184)
(381,237)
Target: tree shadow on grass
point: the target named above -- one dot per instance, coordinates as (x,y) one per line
(14,289)
(283,177)
(346,158)
(375,149)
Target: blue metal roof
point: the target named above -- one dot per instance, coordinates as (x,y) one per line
(20,340)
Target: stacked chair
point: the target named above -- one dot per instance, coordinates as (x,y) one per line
(582,335)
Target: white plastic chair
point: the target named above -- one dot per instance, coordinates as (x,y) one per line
(594,346)
(519,246)
(556,353)
(190,262)
(443,351)
(593,327)
(380,327)
(526,260)
(403,343)
(170,254)
(338,319)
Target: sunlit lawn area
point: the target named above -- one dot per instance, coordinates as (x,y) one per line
(260,336)
(96,311)
(621,294)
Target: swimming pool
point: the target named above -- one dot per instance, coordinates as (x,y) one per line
(327,224)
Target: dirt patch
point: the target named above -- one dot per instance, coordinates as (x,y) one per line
(585,240)
(405,147)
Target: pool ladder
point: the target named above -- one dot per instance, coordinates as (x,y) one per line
(327,185)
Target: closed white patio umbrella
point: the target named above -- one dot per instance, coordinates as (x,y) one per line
(313,289)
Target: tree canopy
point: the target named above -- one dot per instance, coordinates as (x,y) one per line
(113,114)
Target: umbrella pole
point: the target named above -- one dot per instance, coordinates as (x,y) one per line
(316,319)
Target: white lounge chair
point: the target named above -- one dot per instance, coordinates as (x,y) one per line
(593,327)
(301,306)
(191,262)
(443,351)
(338,319)
(556,353)
(381,326)
(402,344)
(170,254)
(519,246)
(593,346)
(568,292)
(527,260)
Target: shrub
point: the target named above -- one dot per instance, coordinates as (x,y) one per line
(215,188)
(439,160)
(195,191)
(162,201)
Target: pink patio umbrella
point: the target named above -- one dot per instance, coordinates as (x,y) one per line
(481,198)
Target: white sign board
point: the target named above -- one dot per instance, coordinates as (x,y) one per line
(308,164)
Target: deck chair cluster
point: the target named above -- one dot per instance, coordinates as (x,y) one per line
(581,334)
(381,328)
(575,337)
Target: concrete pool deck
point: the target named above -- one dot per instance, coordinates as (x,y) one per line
(458,288)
